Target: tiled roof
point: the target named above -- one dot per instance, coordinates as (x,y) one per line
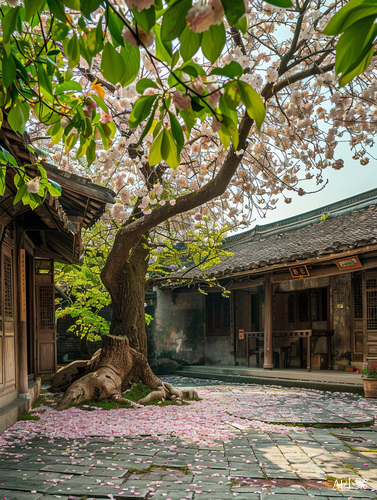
(338,233)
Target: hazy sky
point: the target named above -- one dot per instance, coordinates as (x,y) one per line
(351,180)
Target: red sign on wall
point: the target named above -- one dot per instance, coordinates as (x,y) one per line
(241,334)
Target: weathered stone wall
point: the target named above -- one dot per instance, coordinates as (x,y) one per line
(179,329)
(218,351)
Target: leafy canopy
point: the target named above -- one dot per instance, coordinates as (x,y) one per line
(44,47)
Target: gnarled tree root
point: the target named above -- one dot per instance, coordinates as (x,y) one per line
(110,372)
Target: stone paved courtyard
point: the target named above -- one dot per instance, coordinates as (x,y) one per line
(227,445)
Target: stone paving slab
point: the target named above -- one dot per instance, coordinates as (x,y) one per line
(278,464)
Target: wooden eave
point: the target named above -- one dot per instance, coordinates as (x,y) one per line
(54,228)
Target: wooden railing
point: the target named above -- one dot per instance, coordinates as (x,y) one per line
(312,337)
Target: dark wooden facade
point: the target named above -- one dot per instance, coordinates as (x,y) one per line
(30,242)
(304,293)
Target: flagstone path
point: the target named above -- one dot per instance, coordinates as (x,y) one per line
(222,447)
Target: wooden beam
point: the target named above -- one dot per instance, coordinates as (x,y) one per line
(331,270)
(247,284)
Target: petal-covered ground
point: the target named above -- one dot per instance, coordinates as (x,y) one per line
(222,410)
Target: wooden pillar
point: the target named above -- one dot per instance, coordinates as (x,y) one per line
(268,363)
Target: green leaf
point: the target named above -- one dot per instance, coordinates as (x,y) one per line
(253,103)
(176,129)
(232,95)
(91,152)
(20,194)
(231,70)
(9,69)
(95,39)
(174,20)
(213,41)
(54,188)
(155,150)
(73,4)
(169,150)
(70,85)
(8,24)
(163,49)
(109,129)
(229,127)
(84,51)
(242,25)
(192,69)
(144,84)
(57,9)
(146,18)
(189,118)
(100,103)
(89,6)
(115,26)
(45,83)
(350,13)
(18,116)
(131,59)
(112,64)
(348,76)
(73,51)
(190,43)
(105,140)
(141,110)
(354,45)
(70,141)
(175,59)
(32,7)
(2,180)
(284,4)
(149,123)
(234,10)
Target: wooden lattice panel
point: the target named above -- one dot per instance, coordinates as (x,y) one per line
(371,285)
(46,307)
(8,289)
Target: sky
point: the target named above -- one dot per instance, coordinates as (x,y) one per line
(351,180)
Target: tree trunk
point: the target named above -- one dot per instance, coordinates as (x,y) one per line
(123,357)
(127,292)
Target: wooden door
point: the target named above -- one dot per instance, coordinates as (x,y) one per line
(8,347)
(45,316)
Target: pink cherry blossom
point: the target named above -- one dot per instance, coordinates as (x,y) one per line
(136,36)
(33,186)
(181,101)
(139,4)
(201,17)
(106,117)
(213,97)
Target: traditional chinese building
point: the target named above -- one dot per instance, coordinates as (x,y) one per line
(30,242)
(303,294)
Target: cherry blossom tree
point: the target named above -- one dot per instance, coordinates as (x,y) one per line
(194,112)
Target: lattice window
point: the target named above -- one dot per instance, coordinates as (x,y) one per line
(226,312)
(371,286)
(291,309)
(303,307)
(8,288)
(218,315)
(357,297)
(46,307)
(316,306)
